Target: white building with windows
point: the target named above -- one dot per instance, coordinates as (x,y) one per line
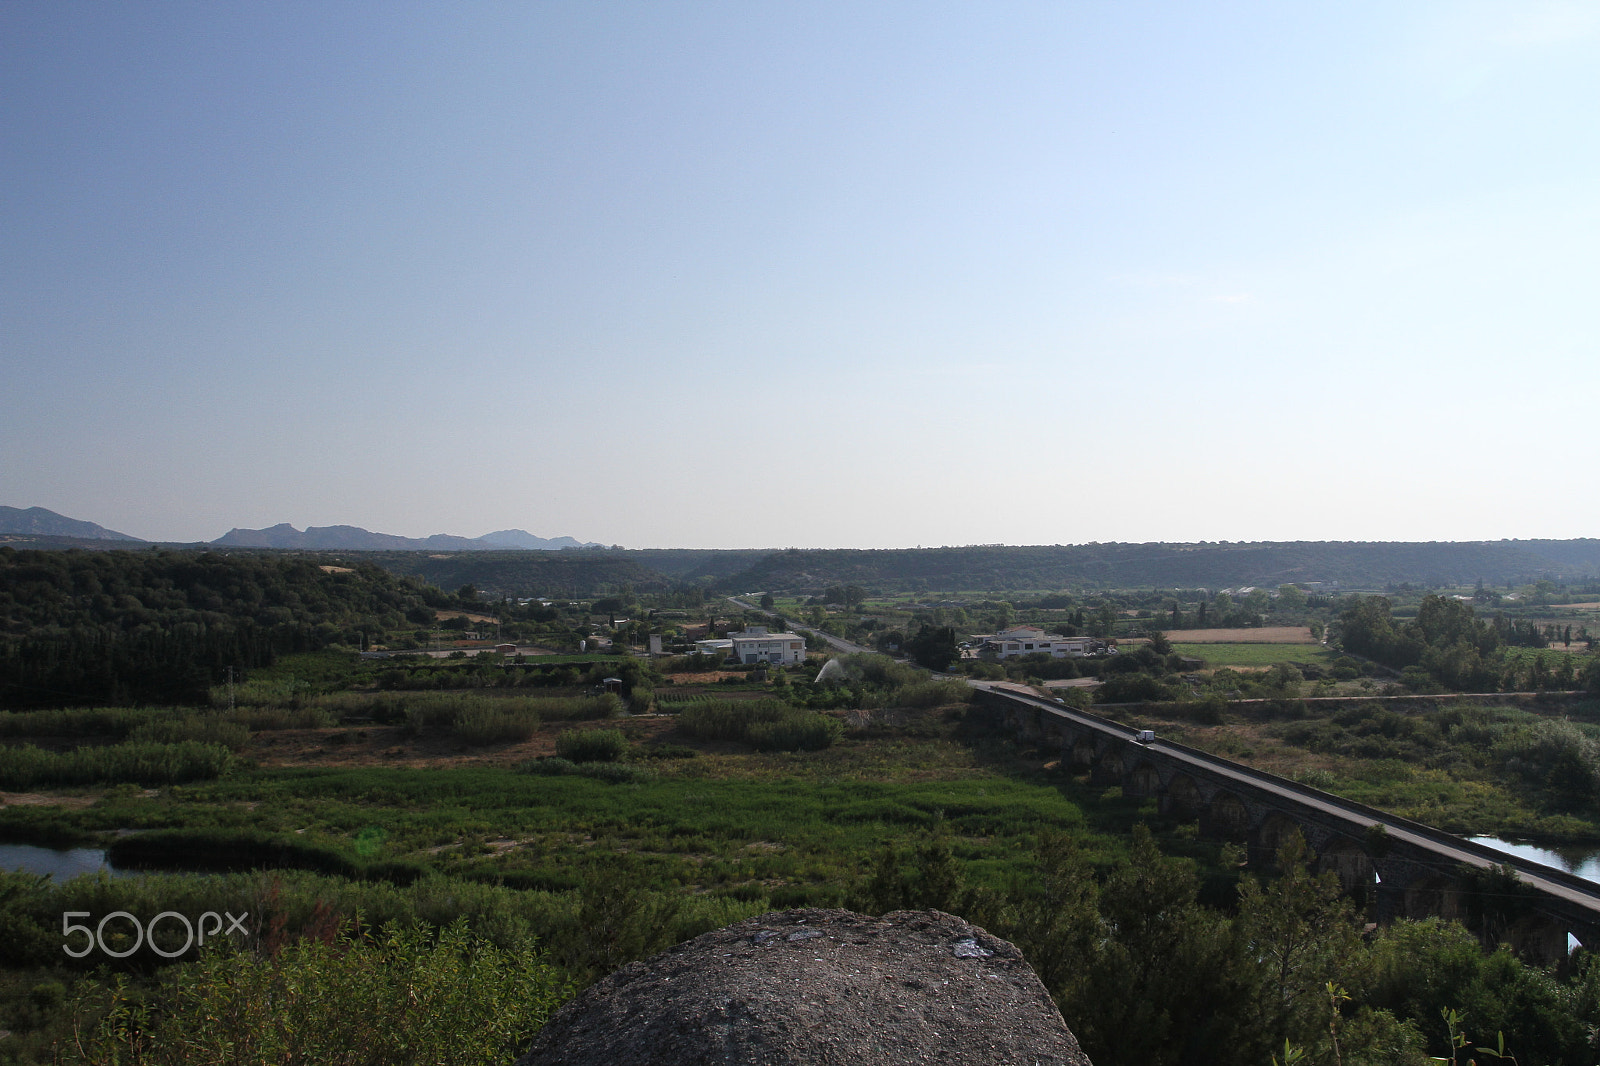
(756,645)
(1029,640)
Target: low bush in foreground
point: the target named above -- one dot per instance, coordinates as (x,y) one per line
(408,998)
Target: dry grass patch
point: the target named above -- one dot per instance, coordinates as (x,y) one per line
(709,677)
(45,799)
(470,616)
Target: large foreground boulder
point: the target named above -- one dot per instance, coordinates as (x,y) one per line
(816,987)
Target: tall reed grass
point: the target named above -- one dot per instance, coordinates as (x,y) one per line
(134,762)
(768,724)
(204,728)
(591,745)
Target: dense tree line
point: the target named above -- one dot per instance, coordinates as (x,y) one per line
(1448,643)
(1147,971)
(81,628)
(1156,565)
(574,573)
(1446,639)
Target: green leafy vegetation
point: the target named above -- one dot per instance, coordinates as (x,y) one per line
(1446,644)
(163,627)
(1252,655)
(411,996)
(591,745)
(137,762)
(768,725)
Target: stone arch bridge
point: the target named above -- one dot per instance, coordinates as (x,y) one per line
(1406,869)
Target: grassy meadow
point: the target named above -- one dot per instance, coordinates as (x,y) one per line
(699,818)
(1218,656)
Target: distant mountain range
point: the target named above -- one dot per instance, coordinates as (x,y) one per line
(39,522)
(515,561)
(354,538)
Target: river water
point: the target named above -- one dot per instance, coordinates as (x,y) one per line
(1584,862)
(60,865)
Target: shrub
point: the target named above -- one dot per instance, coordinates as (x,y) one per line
(1558,756)
(76,722)
(135,762)
(801,731)
(259,718)
(729,719)
(933,694)
(551,767)
(206,728)
(492,725)
(591,745)
(613,772)
(405,998)
(770,725)
(224,850)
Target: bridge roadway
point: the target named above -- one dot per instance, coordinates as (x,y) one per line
(1578,899)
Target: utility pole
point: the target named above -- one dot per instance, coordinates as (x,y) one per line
(230,690)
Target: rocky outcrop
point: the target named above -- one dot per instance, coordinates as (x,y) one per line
(818,987)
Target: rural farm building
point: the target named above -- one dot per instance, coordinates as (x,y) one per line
(756,645)
(722,648)
(1028,640)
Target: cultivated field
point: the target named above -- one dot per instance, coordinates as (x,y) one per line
(1253,655)
(1264,635)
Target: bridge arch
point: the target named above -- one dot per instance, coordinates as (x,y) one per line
(1183,797)
(1143,780)
(1350,861)
(1275,830)
(1031,726)
(1434,894)
(1082,751)
(1538,939)
(1109,767)
(1227,817)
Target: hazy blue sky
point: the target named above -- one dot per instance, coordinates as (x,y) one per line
(822,274)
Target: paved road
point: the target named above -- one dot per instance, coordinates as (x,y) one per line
(1547,879)
(837,643)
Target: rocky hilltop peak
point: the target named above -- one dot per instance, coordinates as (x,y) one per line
(818,987)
